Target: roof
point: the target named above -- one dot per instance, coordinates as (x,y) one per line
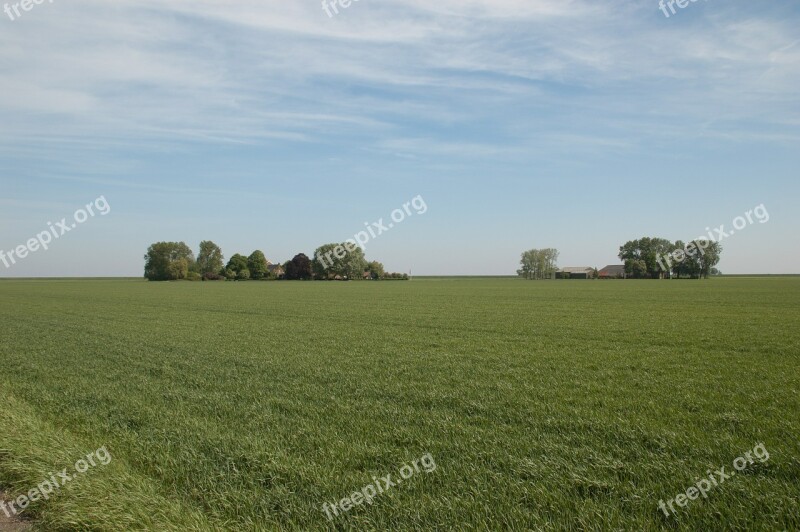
(576,269)
(614,269)
(273,267)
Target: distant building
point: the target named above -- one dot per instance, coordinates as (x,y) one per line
(575,272)
(612,271)
(276,270)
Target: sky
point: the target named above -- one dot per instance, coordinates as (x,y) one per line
(277,126)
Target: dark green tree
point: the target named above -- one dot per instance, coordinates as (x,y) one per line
(647,250)
(237,263)
(636,268)
(299,268)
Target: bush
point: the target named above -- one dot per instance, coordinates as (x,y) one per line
(211,276)
(194,276)
(243,275)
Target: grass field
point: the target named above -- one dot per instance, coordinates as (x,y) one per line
(546,405)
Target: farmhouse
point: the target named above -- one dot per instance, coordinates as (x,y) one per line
(612,271)
(575,272)
(276,270)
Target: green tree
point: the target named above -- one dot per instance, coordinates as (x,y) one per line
(237,263)
(376,270)
(345,260)
(257,264)
(209,258)
(538,264)
(709,257)
(647,250)
(695,259)
(168,261)
(636,268)
(178,269)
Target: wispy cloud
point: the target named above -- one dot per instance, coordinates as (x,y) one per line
(259,72)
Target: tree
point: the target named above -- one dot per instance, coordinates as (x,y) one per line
(237,263)
(257,264)
(376,270)
(689,263)
(178,269)
(710,257)
(538,263)
(299,268)
(636,268)
(679,269)
(345,260)
(167,261)
(243,275)
(209,258)
(647,250)
(695,259)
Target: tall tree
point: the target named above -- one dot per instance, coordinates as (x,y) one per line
(209,259)
(376,270)
(687,263)
(237,263)
(168,261)
(648,250)
(344,260)
(299,268)
(257,264)
(636,268)
(538,263)
(710,256)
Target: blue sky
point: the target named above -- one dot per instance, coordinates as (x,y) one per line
(270,125)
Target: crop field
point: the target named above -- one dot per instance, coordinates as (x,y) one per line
(544,405)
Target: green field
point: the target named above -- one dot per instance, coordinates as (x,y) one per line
(546,405)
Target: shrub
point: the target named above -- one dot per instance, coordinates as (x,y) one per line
(211,276)
(194,276)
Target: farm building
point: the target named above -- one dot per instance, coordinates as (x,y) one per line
(612,271)
(575,272)
(276,270)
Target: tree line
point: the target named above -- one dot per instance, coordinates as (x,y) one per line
(656,258)
(538,264)
(174,261)
(644,258)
